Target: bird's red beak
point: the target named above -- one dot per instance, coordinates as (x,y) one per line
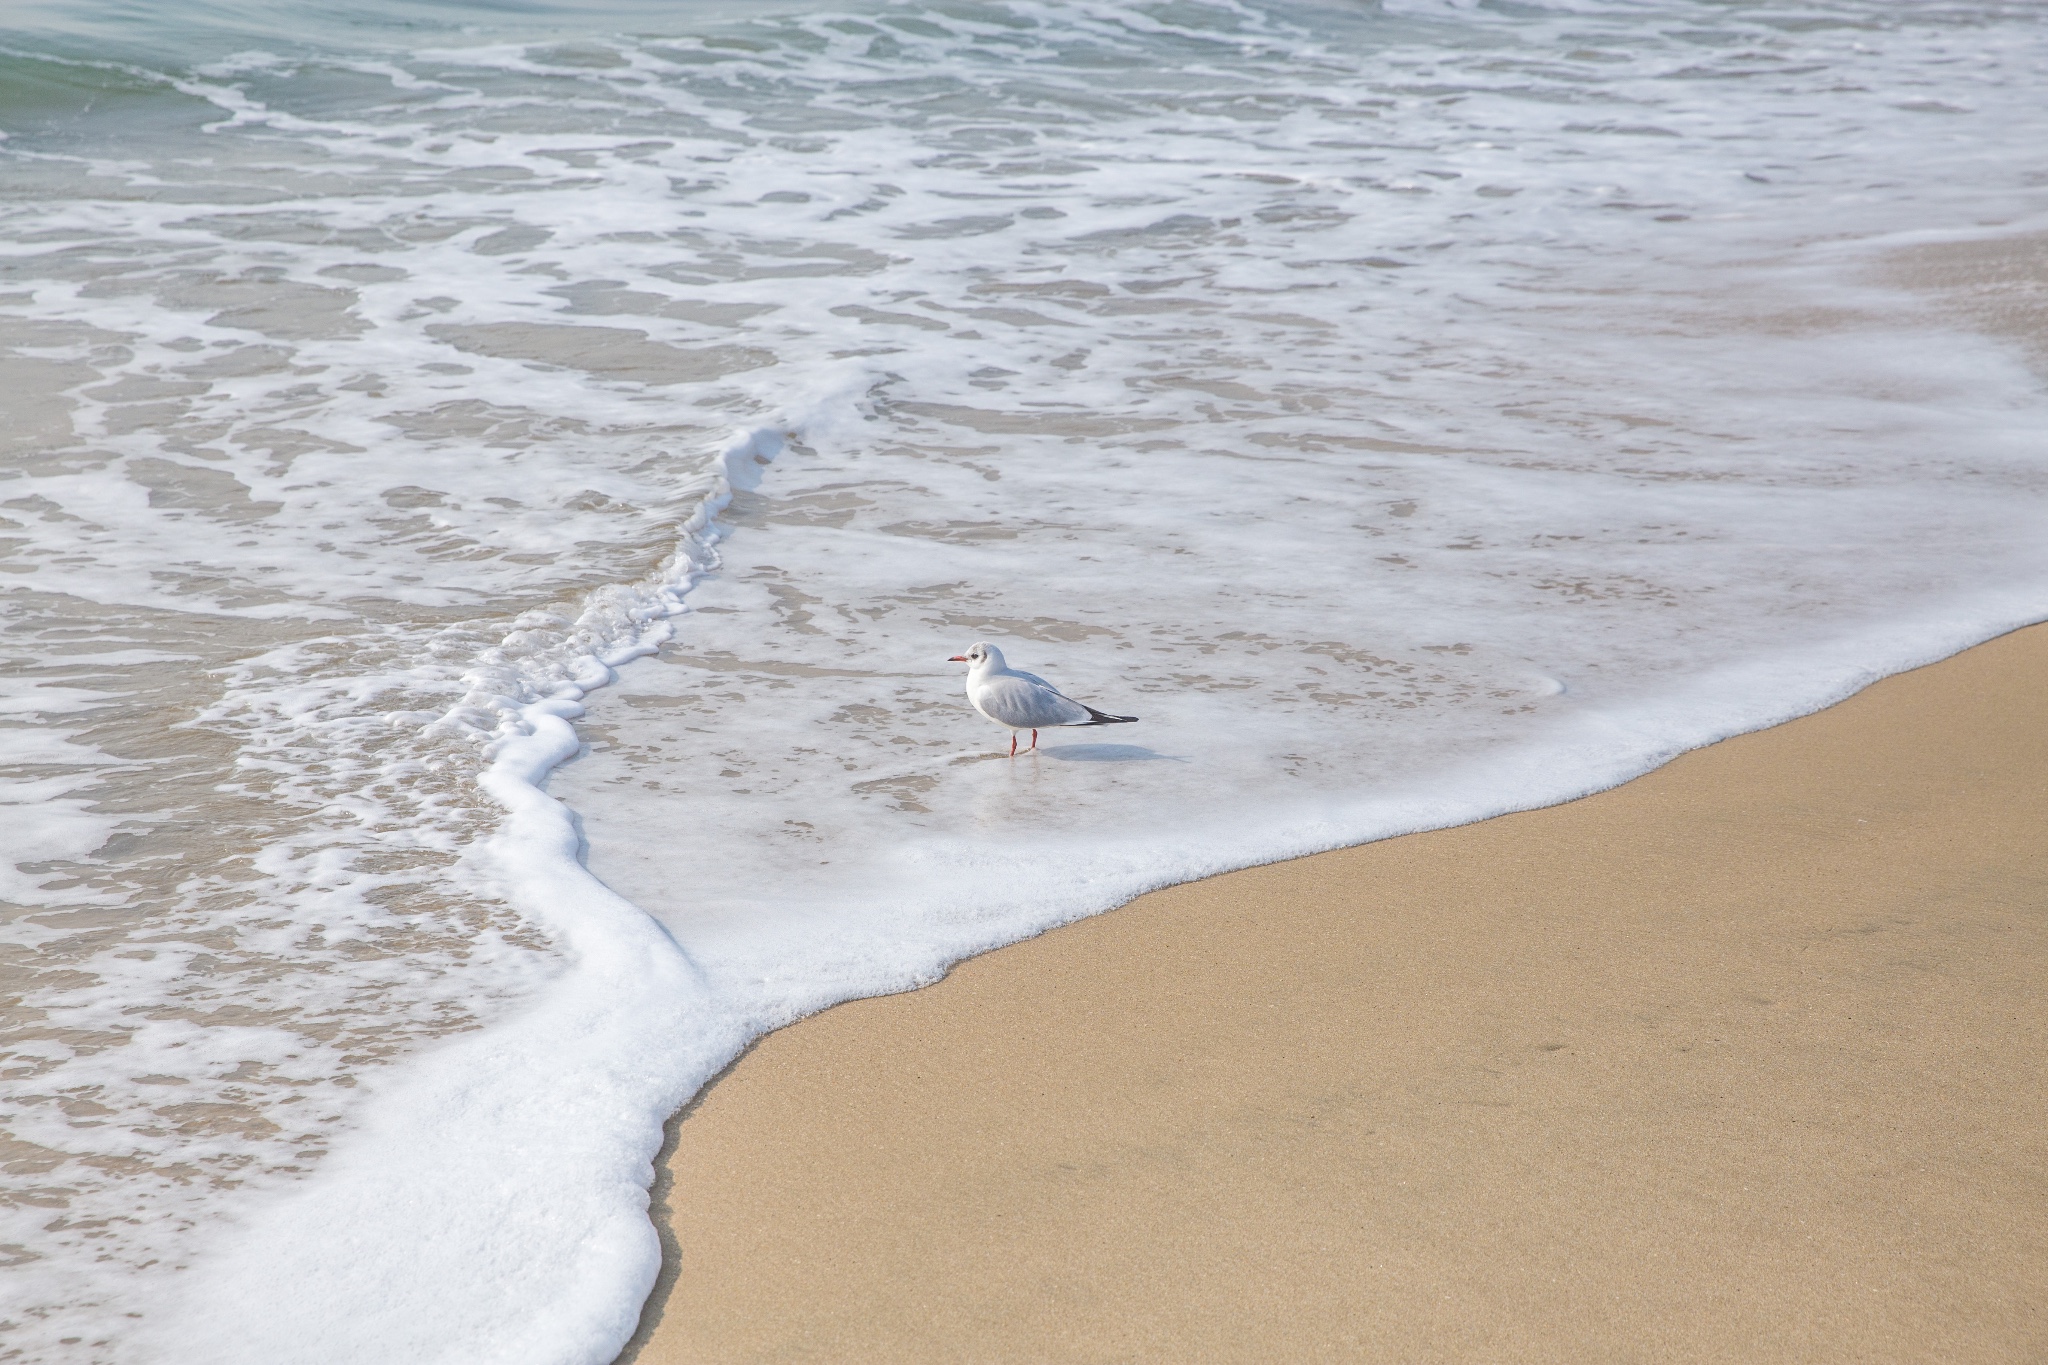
(957,659)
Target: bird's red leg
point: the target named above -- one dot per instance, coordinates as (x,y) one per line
(1034,739)
(1013,744)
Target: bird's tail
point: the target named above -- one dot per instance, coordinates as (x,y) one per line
(1096,717)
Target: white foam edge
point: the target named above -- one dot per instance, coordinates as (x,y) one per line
(548,1109)
(491,1206)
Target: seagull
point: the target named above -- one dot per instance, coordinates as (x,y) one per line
(1023,701)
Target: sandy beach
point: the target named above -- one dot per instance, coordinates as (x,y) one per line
(1741,1061)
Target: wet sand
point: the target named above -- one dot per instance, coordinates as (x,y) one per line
(1746,1060)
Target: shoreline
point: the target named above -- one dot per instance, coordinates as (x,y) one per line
(1737,1060)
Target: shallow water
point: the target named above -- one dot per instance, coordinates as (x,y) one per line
(1411,412)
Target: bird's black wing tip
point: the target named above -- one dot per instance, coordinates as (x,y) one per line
(1096,717)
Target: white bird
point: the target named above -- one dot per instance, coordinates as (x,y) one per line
(1023,701)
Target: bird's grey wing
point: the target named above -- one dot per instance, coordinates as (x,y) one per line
(1034,678)
(1027,703)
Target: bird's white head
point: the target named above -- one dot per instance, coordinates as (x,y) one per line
(982,655)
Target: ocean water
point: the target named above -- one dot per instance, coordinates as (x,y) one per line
(490,490)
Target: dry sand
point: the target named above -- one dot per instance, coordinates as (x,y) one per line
(1742,1061)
